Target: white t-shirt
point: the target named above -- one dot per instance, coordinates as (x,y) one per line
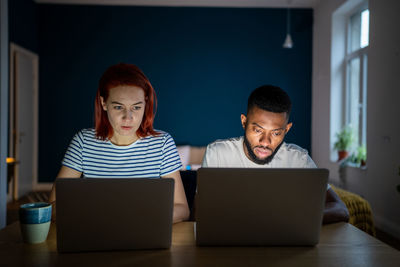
(230,153)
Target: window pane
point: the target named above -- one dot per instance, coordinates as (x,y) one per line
(364,28)
(353,112)
(355,32)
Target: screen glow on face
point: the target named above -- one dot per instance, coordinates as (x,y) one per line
(125,108)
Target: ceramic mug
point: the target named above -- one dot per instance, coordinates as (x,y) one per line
(35,219)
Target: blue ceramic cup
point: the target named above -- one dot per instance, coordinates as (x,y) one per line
(35,219)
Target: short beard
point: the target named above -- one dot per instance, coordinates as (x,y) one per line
(253,156)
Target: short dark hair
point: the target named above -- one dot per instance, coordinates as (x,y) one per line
(270,98)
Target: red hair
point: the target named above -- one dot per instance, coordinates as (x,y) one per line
(117,75)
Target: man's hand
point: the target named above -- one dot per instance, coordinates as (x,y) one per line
(335,210)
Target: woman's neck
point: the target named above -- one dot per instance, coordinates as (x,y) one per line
(123,140)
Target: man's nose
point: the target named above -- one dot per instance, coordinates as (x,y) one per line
(265,139)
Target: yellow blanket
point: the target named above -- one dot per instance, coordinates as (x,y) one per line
(359,210)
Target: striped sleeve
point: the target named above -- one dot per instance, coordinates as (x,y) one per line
(171,161)
(73,157)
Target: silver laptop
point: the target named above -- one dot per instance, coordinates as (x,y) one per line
(95,214)
(259,207)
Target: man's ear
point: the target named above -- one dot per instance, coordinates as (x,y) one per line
(103,104)
(288,126)
(243,119)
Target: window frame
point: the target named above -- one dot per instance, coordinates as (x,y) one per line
(362,54)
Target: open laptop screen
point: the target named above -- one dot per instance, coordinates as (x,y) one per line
(257,207)
(113,214)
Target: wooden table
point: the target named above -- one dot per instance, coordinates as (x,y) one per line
(341,244)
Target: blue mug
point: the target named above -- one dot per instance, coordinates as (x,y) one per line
(35,220)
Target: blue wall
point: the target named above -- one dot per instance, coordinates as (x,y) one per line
(202,62)
(23,24)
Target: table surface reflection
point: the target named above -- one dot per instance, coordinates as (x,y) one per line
(341,244)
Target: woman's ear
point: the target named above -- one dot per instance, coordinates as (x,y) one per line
(103,104)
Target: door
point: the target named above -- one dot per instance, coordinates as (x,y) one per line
(23,118)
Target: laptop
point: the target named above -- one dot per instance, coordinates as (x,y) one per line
(97,214)
(259,207)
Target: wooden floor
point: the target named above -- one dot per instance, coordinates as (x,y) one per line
(43,196)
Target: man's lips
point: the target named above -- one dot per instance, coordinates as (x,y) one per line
(262,152)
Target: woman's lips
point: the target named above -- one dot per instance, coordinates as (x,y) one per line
(126,127)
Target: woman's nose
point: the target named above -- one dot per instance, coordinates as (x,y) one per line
(128,115)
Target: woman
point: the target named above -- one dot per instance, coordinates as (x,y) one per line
(124,143)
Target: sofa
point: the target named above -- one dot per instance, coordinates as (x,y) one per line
(191,156)
(359,209)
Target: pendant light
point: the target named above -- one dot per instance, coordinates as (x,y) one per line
(288,40)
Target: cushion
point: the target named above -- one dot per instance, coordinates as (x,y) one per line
(359,210)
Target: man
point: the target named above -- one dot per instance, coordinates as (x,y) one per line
(262,146)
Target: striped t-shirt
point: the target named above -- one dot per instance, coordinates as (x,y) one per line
(151,156)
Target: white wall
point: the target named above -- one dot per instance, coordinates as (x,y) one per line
(321,81)
(378,182)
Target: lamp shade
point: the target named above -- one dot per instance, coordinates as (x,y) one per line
(288,41)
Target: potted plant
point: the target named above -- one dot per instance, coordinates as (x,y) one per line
(362,155)
(344,141)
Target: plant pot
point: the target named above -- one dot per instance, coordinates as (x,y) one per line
(342,154)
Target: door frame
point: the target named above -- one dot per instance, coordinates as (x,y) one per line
(13,117)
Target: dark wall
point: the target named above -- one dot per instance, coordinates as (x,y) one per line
(202,62)
(23,24)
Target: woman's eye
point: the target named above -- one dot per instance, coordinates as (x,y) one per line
(137,107)
(117,107)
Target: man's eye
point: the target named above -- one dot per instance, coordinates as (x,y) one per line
(258,130)
(277,133)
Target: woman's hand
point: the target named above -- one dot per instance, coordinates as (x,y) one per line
(181,207)
(65,172)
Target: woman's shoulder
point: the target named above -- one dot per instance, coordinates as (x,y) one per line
(161,137)
(86,134)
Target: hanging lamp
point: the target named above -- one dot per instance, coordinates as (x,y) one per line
(288,40)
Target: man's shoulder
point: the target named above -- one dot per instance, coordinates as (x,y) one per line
(226,143)
(293,148)
(295,156)
(223,153)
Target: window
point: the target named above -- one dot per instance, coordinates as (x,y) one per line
(349,59)
(356,75)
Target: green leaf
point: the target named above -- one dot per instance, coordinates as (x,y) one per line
(344,138)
